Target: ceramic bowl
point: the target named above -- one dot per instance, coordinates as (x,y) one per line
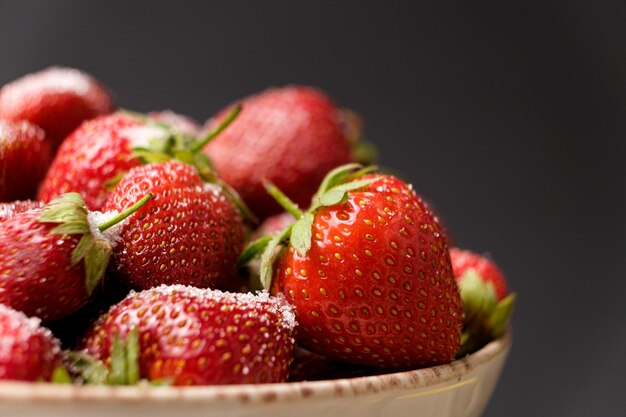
(460,389)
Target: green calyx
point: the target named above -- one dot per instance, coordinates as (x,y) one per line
(124,368)
(485,317)
(334,189)
(71,215)
(178,146)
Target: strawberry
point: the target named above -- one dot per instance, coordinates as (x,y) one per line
(487,303)
(93,158)
(291,136)
(309,366)
(190,233)
(274,224)
(97,152)
(56,99)
(52,258)
(28,352)
(8,210)
(24,158)
(194,336)
(368,271)
(464,260)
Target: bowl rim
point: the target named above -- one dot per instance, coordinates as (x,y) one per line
(42,393)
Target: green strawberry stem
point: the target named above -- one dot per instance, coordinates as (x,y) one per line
(195,147)
(283,200)
(115,220)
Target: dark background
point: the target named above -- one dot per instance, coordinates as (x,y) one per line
(509,117)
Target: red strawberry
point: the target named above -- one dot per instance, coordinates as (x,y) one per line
(28,352)
(463,260)
(291,136)
(95,157)
(198,336)
(309,366)
(96,153)
(24,158)
(190,233)
(487,303)
(56,99)
(42,271)
(8,210)
(368,271)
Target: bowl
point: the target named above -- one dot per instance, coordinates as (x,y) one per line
(459,389)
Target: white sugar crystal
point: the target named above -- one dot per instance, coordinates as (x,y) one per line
(142,136)
(112,234)
(262,300)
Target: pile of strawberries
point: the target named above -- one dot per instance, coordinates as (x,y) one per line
(145,247)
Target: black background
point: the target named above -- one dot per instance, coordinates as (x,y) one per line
(509,117)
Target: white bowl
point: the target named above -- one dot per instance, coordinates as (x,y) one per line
(460,389)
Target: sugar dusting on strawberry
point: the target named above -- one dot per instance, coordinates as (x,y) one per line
(195,336)
(56,99)
(28,351)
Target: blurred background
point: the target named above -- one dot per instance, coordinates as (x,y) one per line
(510,118)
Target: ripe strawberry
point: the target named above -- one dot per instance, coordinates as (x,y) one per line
(487,303)
(190,233)
(28,352)
(42,272)
(56,99)
(97,152)
(24,158)
(198,336)
(463,260)
(309,366)
(8,210)
(368,271)
(291,136)
(96,155)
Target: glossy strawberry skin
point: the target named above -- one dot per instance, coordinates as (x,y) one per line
(290,136)
(376,288)
(8,210)
(463,260)
(29,352)
(97,152)
(198,336)
(189,233)
(25,155)
(36,275)
(56,99)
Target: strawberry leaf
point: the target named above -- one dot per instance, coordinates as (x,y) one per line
(132,356)
(282,199)
(253,250)
(91,370)
(501,315)
(269,256)
(301,234)
(71,228)
(82,249)
(117,374)
(60,376)
(96,261)
(336,176)
(63,209)
(339,193)
(125,359)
